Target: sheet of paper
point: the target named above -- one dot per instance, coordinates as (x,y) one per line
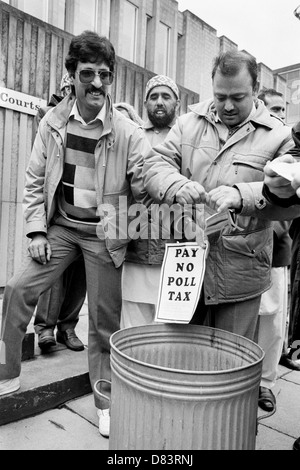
(284,169)
(180,282)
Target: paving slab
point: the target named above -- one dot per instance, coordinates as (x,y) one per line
(270,439)
(84,407)
(286,419)
(59,429)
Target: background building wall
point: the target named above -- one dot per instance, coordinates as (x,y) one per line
(198,46)
(265,74)
(291,75)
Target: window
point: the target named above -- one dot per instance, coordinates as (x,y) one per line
(56,13)
(37,8)
(163,52)
(129,33)
(85,16)
(148,42)
(46,10)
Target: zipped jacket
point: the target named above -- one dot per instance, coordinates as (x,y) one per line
(151,250)
(239,260)
(118,165)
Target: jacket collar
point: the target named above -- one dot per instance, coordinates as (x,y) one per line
(59,116)
(262,116)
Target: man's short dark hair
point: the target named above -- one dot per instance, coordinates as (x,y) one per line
(268,92)
(231,62)
(90,47)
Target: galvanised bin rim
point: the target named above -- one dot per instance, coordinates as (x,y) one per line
(168,328)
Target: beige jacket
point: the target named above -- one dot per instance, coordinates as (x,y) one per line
(119,154)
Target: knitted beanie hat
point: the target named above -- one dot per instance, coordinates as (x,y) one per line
(161,80)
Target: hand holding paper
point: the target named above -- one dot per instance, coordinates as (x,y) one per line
(286,169)
(280,174)
(223,198)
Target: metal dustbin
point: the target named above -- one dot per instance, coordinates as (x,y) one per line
(183,387)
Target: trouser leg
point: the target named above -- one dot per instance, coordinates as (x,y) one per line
(74,296)
(240,318)
(137,314)
(294,314)
(60,306)
(48,306)
(272,322)
(21,295)
(104,305)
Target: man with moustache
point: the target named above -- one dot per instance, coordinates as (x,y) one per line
(85,156)
(141,272)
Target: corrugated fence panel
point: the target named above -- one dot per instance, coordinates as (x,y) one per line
(24,136)
(32,62)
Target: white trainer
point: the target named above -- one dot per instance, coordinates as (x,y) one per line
(9,386)
(104,422)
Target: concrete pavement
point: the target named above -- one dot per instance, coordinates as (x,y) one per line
(74,424)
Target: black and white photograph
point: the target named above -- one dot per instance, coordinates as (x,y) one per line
(150,227)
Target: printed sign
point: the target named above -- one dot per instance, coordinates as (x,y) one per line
(21,102)
(183,269)
(180,283)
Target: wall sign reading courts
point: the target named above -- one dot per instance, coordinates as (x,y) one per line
(21,102)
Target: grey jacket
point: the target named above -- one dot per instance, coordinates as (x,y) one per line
(239,261)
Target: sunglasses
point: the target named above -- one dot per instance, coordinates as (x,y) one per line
(88,76)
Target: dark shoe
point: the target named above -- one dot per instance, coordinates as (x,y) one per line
(46,339)
(286,361)
(266,399)
(296,445)
(70,339)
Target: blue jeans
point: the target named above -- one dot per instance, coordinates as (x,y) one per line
(104,300)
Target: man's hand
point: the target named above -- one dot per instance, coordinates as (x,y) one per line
(278,185)
(40,249)
(191,193)
(223,198)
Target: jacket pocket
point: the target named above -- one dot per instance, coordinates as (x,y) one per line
(246,262)
(250,244)
(251,166)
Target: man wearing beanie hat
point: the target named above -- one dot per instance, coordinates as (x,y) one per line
(141,271)
(162,104)
(161,80)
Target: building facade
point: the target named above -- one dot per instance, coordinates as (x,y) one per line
(150,37)
(152,34)
(291,75)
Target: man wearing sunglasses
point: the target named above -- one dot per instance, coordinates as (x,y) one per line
(85,158)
